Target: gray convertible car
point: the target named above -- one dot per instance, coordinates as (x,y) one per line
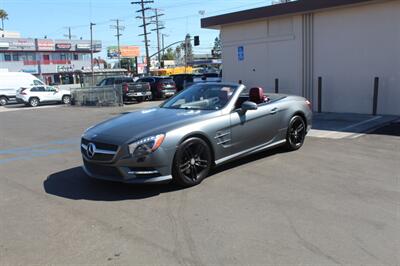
(204,126)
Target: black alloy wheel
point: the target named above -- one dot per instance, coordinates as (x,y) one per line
(192,162)
(296,133)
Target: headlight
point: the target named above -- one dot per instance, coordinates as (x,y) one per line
(146,145)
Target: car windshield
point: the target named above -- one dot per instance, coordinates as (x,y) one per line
(202,97)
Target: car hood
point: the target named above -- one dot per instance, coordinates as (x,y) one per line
(138,124)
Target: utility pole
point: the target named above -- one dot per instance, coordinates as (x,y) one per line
(69,35)
(158,27)
(163,47)
(91,50)
(145,33)
(118,28)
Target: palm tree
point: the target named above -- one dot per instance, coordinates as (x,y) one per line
(3,16)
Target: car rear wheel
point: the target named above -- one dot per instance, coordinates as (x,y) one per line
(66,99)
(296,133)
(34,102)
(3,101)
(192,162)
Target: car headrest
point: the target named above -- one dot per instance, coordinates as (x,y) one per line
(256,95)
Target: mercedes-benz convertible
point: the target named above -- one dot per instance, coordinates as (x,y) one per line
(202,127)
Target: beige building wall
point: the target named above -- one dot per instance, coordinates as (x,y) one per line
(351,47)
(272,49)
(347,46)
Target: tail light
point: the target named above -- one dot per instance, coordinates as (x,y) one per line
(125,87)
(308,104)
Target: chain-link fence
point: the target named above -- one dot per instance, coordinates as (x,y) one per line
(97,96)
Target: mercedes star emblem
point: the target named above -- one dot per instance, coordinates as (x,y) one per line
(91,150)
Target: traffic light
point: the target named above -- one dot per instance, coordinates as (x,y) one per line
(196,40)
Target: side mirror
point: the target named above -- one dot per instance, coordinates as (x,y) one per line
(247,105)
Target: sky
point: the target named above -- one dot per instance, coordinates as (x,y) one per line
(37,18)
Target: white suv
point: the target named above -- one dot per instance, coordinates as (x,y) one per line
(40,94)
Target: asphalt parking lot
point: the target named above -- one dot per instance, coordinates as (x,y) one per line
(336,201)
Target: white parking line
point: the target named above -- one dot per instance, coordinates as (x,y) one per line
(342,133)
(23,108)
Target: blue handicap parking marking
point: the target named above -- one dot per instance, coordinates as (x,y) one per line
(39,150)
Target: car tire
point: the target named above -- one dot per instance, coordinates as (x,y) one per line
(34,101)
(66,99)
(3,101)
(192,162)
(296,133)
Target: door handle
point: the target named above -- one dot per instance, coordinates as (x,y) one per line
(274,111)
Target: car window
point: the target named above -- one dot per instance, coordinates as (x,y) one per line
(49,88)
(37,82)
(146,80)
(38,89)
(110,81)
(128,80)
(117,81)
(202,97)
(166,80)
(102,83)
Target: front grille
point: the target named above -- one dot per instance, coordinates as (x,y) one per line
(101,145)
(102,170)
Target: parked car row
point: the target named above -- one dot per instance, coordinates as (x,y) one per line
(25,88)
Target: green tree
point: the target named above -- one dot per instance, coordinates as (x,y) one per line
(169,54)
(3,16)
(217,49)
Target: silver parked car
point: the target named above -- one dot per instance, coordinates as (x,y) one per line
(204,126)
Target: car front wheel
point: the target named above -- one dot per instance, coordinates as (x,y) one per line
(3,101)
(296,133)
(66,99)
(34,102)
(192,162)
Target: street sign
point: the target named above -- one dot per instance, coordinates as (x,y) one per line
(240,52)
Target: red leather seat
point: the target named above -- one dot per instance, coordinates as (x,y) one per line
(256,95)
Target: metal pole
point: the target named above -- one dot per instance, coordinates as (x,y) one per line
(119,49)
(276,85)
(186,52)
(69,33)
(376,90)
(162,37)
(319,94)
(158,37)
(91,51)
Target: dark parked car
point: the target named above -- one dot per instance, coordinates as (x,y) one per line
(209,77)
(183,81)
(161,87)
(138,91)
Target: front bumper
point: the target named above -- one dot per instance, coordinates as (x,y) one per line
(131,179)
(119,166)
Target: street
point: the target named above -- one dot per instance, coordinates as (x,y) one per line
(335,201)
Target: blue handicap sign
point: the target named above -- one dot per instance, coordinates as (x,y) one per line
(240,52)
